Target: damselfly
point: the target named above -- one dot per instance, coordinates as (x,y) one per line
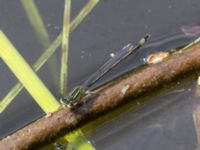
(78,92)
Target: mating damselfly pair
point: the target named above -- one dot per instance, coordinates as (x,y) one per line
(80,91)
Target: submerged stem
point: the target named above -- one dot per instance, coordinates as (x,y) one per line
(37,23)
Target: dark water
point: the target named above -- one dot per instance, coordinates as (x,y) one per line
(110,26)
(165,122)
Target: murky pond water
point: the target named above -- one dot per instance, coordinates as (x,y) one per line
(165,122)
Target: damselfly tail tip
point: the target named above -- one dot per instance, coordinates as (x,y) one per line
(144,39)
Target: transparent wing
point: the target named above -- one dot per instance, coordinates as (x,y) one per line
(112,62)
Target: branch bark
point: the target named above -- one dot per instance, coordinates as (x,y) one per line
(121,91)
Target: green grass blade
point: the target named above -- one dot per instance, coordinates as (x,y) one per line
(65,48)
(36,88)
(37,23)
(48,53)
(27,76)
(76,138)
(84,12)
(78,141)
(39,63)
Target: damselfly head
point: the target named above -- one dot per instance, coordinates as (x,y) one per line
(74,96)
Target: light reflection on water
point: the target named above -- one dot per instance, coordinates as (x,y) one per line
(164,121)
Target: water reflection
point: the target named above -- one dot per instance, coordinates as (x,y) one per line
(164,122)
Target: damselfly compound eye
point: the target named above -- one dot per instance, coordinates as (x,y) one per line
(157,57)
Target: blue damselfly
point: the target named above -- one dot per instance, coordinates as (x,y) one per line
(78,92)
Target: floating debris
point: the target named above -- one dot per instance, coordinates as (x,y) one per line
(157,57)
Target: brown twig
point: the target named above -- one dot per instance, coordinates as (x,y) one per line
(122,90)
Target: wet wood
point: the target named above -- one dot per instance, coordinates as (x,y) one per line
(121,91)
